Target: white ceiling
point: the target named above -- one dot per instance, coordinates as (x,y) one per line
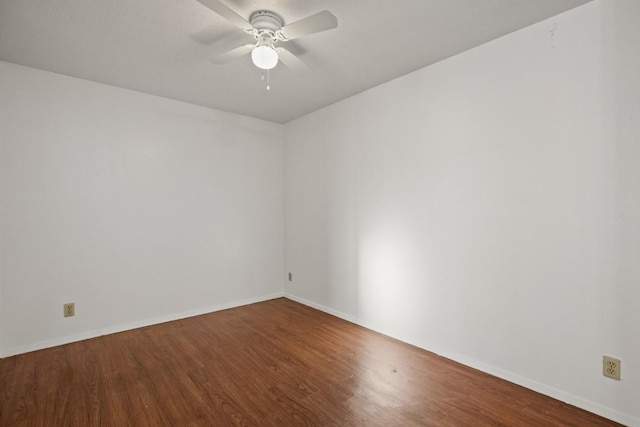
(163,47)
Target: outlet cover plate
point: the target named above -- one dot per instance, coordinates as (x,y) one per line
(69,309)
(611,367)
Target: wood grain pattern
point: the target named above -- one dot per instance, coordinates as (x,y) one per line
(275,363)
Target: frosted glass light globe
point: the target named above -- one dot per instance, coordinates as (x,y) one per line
(264,57)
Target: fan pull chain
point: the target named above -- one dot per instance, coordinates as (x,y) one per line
(262,78)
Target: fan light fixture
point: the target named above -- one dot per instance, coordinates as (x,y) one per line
(264,57)
(266,28)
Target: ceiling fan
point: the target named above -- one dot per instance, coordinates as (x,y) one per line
(266,27)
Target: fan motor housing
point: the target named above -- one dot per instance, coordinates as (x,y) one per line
(266,20)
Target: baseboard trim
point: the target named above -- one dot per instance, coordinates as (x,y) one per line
(571,399)
(133,325)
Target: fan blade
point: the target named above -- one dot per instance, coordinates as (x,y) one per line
(231,41)
(321,21)
(226,12)
(232,54)
(291,61)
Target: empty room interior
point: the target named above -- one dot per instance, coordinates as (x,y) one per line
(279,212)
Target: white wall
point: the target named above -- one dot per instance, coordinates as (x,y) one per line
(486,207)
(2,125)
(137,208)
(621,302)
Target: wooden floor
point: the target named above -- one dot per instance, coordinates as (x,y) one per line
(276,363)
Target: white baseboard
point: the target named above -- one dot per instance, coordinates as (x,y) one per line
(571,399)
(133,325)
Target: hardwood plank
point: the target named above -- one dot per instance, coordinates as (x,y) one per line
(274,363)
